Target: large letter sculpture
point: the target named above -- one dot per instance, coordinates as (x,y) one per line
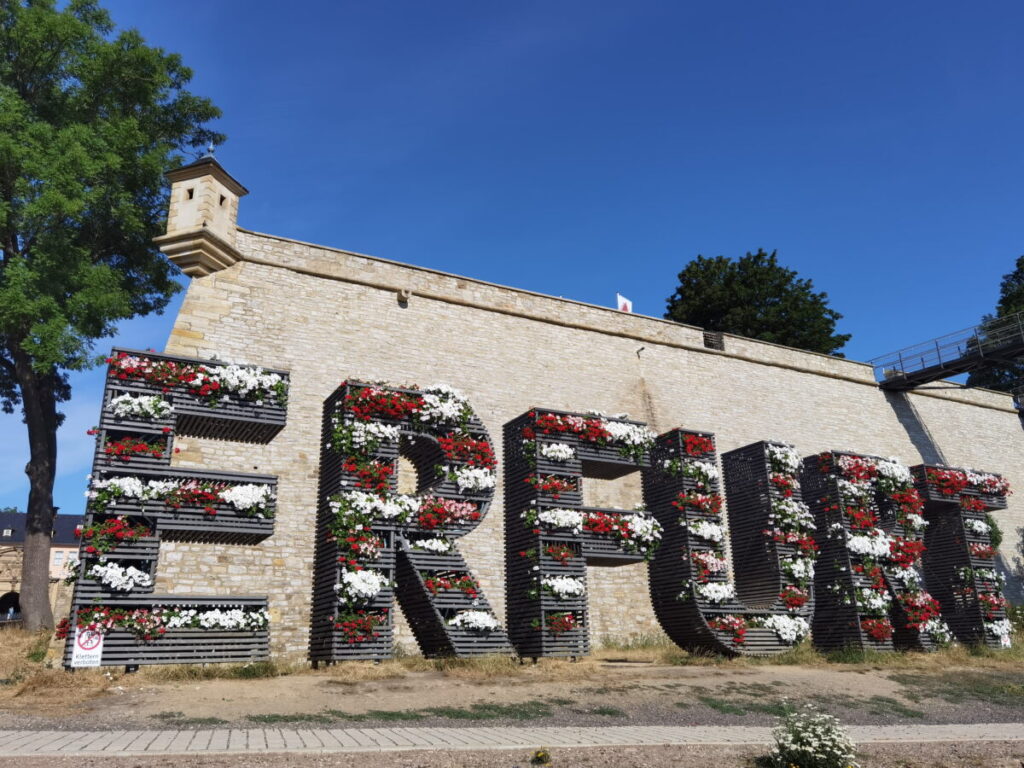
(959,561)
(550,536)
(870,527)
(372,539)
(770,531)
(136,499)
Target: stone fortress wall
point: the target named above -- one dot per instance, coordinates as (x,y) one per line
(327,315)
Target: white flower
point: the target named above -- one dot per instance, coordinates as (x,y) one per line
(715,592)
(939,631)
(1001,629)
(480,621)
(394,507)
(915,522)
(876,545)
(243,382)
(563,586)
(437,546)
(977,527)
(362,434)
(705,530)
(442,405)
(119,578)
(249,496)
(642,527)
(629,434)
(799,568)
(897,473)
(791,514)
(557,451)
(149,407)
(561,518)
(471,478)
(790,629)
(231,619)
(871,600)
(783,458)
(359,586)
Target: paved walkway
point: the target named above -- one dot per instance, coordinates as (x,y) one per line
(250,740)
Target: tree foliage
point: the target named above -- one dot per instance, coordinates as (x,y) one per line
(1011,301)
(754,296)
(90,120)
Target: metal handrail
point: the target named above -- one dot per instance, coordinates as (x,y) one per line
(949,354)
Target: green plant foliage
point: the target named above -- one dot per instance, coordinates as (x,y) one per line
(90,119)
(754,296)
(1011,301)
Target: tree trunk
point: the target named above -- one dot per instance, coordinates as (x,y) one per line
(39,401)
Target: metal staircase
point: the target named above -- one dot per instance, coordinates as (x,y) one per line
(997,342)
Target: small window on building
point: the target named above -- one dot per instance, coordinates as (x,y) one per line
(8,532)
(191,193)
(58,558)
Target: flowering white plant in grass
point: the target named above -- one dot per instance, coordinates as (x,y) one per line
(442,405)
(1001,629)
(556,451)
(977,527)
(146,407)
(359,586)
(783,458)
(249,497)
(437,546)
(810,739)
(471,478)
(715,592)
(874,544)
(706,530)
(563,587)
(478,621)
(118,577)
(790,629)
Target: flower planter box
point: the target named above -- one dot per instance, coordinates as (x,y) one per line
(992,501)
(182,646)
(88,591)
(143,548)
(606,463)
(466,642)
(121,465)
(225,527)
(423,560)
(552,604)
(332,647)
(603,551)
(230,419)
(241,421)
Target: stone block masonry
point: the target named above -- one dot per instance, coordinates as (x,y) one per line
(327,315)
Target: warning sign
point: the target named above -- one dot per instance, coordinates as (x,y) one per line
(88,648)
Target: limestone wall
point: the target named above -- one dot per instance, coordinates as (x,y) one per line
(327,315)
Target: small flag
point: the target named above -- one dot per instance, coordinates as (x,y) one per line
(624,304)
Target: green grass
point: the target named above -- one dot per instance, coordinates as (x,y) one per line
(1001,687)
(276,719)
(527,710)
(37,652)
(179,719)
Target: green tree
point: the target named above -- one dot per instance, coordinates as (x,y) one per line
(1011,301)
(90,120)
(755,297)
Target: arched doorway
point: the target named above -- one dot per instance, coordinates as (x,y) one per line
(7,602)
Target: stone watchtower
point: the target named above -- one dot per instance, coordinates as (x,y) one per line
(202,219)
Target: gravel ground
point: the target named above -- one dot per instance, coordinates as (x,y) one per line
(922,755)
(661,696)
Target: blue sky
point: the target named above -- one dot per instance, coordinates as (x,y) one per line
(584,148)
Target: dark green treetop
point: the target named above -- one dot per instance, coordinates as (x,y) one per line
(754,296)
